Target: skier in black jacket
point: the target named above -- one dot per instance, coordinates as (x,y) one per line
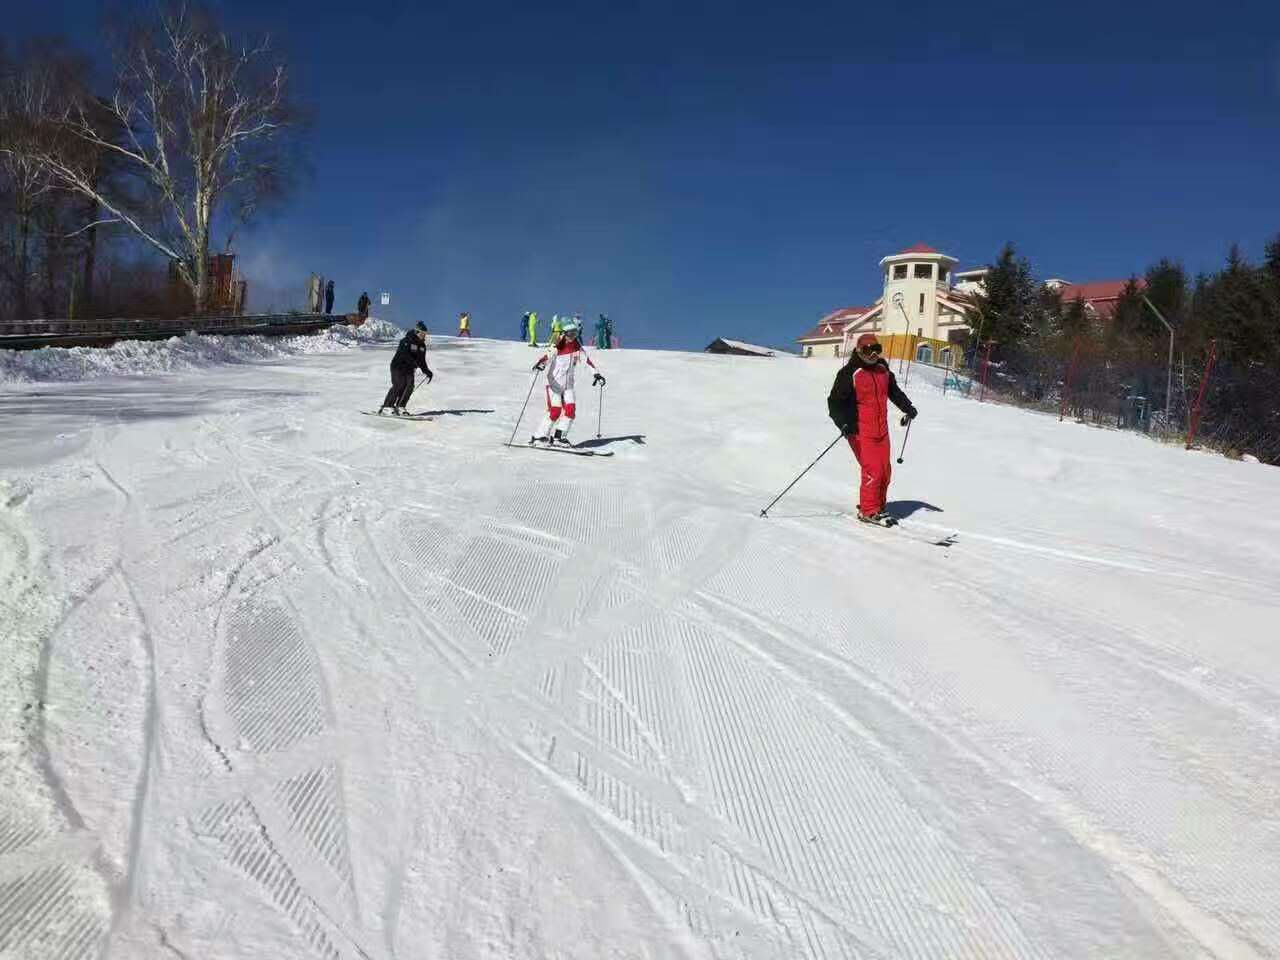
(410,356)
(859,407)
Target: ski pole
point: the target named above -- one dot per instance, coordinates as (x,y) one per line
(904,440)
(765,511)
(600,412)
(522,409)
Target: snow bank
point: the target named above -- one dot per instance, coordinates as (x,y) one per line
(134,357)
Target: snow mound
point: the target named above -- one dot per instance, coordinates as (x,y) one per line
(190,352)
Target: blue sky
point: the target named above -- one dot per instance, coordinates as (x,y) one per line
(703,170)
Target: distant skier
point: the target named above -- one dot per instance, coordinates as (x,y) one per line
(563,356)
(533,329)
(602,332)
(858,406)
(608,333)
(464,325)
(362,306)
(328,297)
(556,327)
(410,355)
(524,326)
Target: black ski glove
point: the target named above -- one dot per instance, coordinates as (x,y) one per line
(908,416)
(541,364)
(598,381)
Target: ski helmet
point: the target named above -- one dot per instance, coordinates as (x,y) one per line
(570,326)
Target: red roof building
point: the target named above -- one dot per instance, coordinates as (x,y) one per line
(925,308)
(829,332)
(1099,296)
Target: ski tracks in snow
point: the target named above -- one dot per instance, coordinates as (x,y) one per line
(398,699)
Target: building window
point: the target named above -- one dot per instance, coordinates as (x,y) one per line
(924,271)
(922,303)
(900,271)
(942,274)
(944,357)
(924,353)
(837,349)
(808,351)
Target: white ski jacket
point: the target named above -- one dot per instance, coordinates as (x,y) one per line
(561,361)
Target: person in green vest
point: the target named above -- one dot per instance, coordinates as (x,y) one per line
(602,332)
(533,328)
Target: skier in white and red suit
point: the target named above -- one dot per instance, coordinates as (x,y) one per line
(560,362)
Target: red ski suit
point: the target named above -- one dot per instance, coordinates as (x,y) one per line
(858,405)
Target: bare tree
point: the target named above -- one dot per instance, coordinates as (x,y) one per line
(28,107)
(203,121)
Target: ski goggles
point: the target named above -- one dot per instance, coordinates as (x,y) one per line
(871,349)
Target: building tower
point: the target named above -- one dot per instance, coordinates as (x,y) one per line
(913,280)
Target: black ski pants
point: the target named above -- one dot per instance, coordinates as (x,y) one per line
(401,387)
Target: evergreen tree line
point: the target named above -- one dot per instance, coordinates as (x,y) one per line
(119,176)
(1052,352)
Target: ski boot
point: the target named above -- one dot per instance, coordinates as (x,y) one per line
(560,440)
(880,519)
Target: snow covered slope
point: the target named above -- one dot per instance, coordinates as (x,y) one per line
(280,680)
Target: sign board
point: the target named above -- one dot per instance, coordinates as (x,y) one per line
(386,298)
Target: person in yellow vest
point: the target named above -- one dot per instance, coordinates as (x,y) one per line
(555,327)
(533,328)
(464,325)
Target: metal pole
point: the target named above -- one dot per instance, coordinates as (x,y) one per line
(911,351)
(600,412)
(1168,388)
(522,409)
(765,511)
(1204,382)
(904,440)
(897,302)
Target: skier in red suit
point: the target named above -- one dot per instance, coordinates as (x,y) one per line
(858,404)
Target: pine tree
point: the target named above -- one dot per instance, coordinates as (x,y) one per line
(1168,289)
(1007,311)
(1130,330)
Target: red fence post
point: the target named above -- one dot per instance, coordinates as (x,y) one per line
(1066,387)
(1204,382)
(986,366)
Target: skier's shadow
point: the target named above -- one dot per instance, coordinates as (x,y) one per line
(901,509)
(453,413)
(605,441)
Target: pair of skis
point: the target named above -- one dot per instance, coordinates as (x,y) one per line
(892,523)
(416,417)
(548,448)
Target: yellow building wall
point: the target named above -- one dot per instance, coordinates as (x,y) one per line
(902,346)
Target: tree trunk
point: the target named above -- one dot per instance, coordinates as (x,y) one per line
(24,257)
(90,258)
(52,260)
(203,210)
(202,279)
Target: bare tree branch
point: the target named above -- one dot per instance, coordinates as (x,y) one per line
(202,121)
